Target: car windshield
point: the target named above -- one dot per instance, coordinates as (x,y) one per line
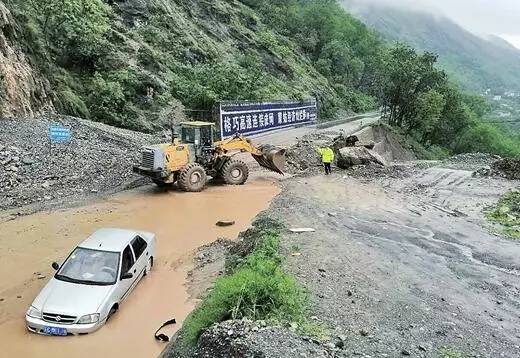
(90,267)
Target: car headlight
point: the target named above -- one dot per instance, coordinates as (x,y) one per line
(34,312)
(89,318)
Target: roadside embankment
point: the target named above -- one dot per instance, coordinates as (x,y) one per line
(98,160)
(256,288)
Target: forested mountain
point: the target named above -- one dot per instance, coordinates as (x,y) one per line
(477,63)
(137,63)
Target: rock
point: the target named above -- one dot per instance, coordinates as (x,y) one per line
(301,230)
(422,348)
(13,168)
(46,185)
(340,343)
(41,277)
(224,223)
(352,156)
(333,214)
(47,197)
(363,332)
(330,345)
(404,352)
(27,161)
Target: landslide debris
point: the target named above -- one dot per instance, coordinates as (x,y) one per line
(98,159)
(255,339)
(375,144)
(508,168)
(352,156)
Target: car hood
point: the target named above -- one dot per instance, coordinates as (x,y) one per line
(70,298)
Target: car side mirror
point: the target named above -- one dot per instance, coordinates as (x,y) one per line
(56,266)
(127,276)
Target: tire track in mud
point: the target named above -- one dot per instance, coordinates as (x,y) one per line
(423,236)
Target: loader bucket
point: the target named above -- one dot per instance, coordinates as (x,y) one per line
(272,158)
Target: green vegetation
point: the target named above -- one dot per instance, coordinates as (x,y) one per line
(130,64)
(450,353)
(507,214)
(256,287)
(474,62)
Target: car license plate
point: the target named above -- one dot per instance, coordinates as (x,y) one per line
(55,331)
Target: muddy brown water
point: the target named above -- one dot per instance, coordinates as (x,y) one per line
(182,223)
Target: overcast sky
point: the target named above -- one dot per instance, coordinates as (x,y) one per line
(498,17)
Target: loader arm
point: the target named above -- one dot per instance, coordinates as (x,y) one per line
(267,156)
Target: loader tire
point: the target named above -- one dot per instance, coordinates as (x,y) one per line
(192,178)
(235,172)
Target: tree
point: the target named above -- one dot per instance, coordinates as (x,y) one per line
(429,108)
(405,76)
(74,29)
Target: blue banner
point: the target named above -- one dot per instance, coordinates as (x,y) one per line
(59,134)
(247,118)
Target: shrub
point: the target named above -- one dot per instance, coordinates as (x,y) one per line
(75,29)
(257,288)
(507,214)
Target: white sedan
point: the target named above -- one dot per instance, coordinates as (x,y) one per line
(92,283)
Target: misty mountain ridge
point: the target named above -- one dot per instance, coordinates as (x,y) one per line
(477,63)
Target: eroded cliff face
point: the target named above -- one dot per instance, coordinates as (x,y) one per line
(23,91)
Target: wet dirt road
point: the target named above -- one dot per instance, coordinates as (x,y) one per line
(182,222)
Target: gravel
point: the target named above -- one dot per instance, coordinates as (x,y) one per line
(248,339)
(98,160)
(507,168)
(470,161)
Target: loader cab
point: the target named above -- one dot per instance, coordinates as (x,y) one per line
(199,134)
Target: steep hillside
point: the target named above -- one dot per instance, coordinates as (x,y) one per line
(23,91)
(136,63)
(475,62)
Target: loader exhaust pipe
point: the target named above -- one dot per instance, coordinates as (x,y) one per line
(272,158)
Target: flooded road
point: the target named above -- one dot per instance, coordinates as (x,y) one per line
(182,222)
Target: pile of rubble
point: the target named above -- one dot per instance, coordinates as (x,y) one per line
(303,156)
(470,161)
(256,339)
(98,159)
(508,168)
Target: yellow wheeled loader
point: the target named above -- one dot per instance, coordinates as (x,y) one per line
(195,156)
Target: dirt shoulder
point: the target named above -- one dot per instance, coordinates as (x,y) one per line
(399,265)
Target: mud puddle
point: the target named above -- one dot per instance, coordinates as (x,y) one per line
(182,222)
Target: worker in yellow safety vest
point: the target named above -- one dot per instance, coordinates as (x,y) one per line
(327,157)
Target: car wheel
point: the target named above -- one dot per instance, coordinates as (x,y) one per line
(112,311)
(148,266)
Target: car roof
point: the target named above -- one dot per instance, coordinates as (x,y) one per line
(109,239)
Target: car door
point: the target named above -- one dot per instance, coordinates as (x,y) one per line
(142,255)
(127,266)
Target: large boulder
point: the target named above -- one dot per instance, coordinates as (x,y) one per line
(351,156)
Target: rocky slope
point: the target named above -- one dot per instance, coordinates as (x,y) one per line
(98,160)
(23,90)
(154,55)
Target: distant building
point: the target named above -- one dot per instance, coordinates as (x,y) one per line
(497,98)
